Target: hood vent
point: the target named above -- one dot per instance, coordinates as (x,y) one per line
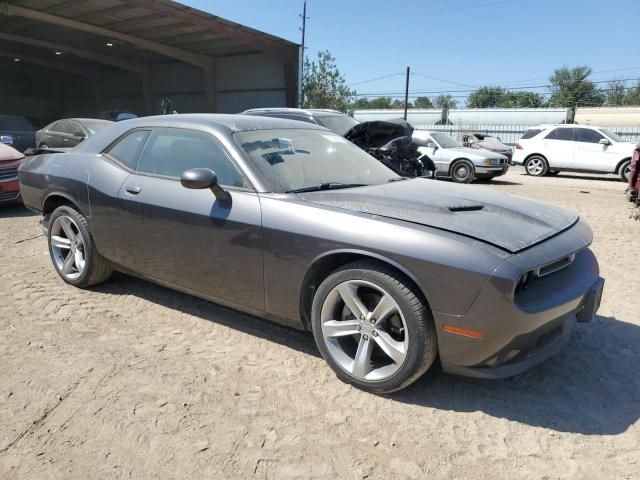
(466,208)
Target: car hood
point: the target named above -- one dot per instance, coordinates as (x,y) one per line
(508,222)
(474,153)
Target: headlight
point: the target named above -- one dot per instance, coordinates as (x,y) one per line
(7,139)
(489,161)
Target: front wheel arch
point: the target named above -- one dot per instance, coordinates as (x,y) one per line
(325,264)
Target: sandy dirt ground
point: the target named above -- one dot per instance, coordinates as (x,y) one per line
(131,380)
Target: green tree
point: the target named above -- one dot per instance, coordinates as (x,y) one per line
(632,97)
(616,93)
(323,86)
(445,101)
(486,97)
(422,102)
(522,100)
(571,87)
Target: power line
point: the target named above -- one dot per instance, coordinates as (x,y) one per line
(528,87)
(375,79)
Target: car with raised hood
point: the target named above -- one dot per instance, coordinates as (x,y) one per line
(551,149)
(293,223)
(16,132)
(69,132)
(453,160)
(10,159)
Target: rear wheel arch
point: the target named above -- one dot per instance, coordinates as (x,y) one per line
(325,264)
(55,200)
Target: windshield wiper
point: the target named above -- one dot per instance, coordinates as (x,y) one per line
(326,186)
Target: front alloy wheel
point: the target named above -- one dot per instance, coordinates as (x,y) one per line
(372,327)
(358,320)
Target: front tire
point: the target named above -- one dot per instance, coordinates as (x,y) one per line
(463,171)
(372,327)
(625,171)
(536,166)
(73,251)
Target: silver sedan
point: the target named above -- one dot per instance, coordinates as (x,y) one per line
(462,164)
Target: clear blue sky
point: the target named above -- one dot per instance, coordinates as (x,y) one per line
(512,43)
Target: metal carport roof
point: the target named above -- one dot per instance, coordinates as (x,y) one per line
(132,35)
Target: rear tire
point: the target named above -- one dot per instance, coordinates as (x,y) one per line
(625,171)
(463,171)
(73,251)
(536,166)
(43,146)
(379,355)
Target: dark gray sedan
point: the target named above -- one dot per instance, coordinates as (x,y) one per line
(295,224)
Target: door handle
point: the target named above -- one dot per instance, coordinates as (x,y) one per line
(133,190)
(65,139)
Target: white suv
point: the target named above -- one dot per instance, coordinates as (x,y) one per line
(549,149)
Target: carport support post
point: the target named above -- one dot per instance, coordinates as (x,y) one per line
(209,71)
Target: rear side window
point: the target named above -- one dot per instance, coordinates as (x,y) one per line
(587,135)
(127,149)
(532,132)
(60,126)
(169,152)
(561,134)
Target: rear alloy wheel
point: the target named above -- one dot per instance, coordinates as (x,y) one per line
(43,146)
(372,328)
(72,250)
(625,171)
(463,171)
(536,166)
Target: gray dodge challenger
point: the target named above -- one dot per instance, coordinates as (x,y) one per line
(293,223)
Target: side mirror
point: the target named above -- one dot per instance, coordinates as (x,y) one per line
(201,178)
(431,145)
(604,141)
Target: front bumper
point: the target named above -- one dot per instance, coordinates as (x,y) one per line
(521,332)
(493,170)
(9,191)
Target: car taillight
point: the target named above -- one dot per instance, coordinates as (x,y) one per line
(518,146)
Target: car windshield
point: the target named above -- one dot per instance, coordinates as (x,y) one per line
(14,123)
(340,124)
(94,126)
(445,141)
(292,159)
(613,136)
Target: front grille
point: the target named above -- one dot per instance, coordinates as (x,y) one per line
(4,196)
(9,174)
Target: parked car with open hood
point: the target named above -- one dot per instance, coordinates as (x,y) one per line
(296,224)
(10,159)
(486,142)
(69,132)
(387,140)
(16,132)
(550,149)
(462,164)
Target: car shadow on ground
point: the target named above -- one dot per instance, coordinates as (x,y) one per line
(591,387)
(15,211)
(613,178)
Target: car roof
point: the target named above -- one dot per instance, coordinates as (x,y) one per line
(564,125)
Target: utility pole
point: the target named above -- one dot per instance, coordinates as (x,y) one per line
(406,94)
(301,76)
